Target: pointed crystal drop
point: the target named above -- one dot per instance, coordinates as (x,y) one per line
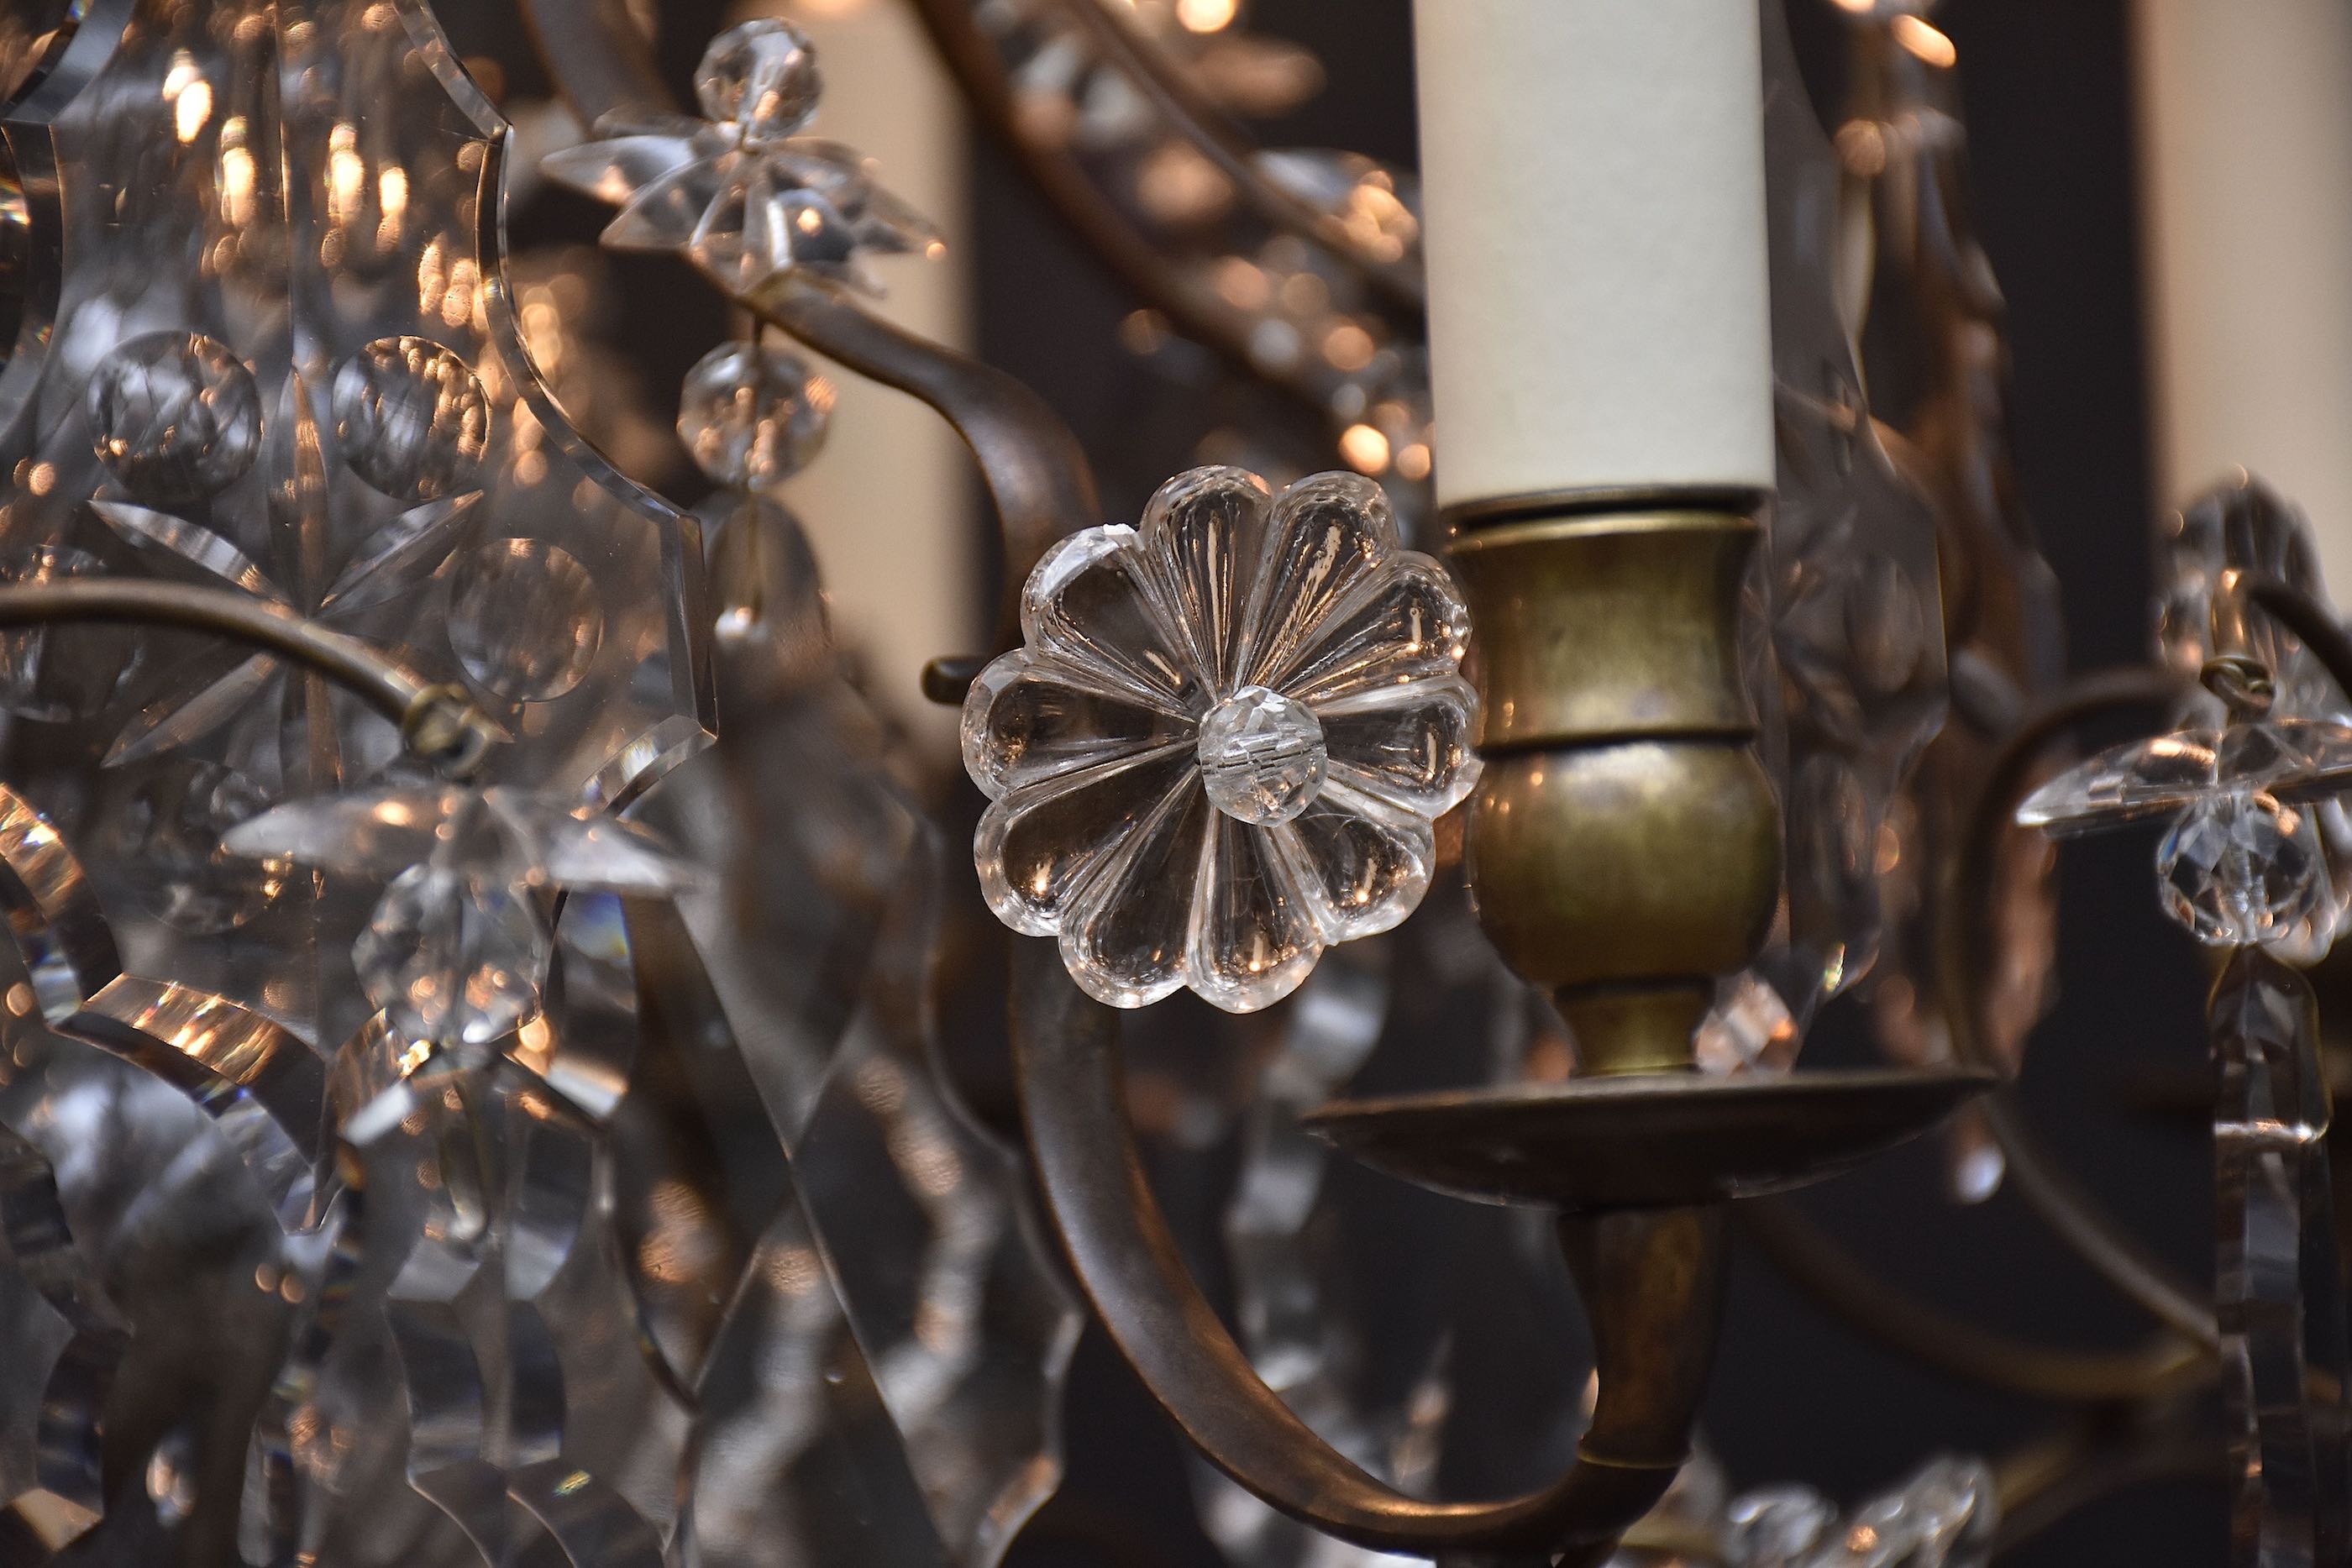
(174,416)
(2242,868)
(2278,1288)
(762,78)
(1040,845)
(1406,624)
(1361,864)
(1254,938)
(1411,745)
(1329,534)
(1262,756)
(451,957)
(1027,719)
(752,415)
(1092,604)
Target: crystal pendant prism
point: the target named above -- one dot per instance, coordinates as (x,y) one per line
(2278,1288)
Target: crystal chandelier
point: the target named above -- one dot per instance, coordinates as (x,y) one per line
(508,1059)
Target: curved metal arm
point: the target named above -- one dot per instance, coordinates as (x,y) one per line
(1839,1283)
(2056,1197)
(1197,310)
(1036,473)
(1652,1279)
(438,722)
(1207,130)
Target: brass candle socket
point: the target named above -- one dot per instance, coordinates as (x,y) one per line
(1625,844)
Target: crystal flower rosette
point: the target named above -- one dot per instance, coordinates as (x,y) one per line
(1225,741)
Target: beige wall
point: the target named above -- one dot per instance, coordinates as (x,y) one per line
(890,504)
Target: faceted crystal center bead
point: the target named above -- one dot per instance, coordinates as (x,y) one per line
(1262,756)
(2241,868)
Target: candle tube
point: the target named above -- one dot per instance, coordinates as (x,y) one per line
(2246,126)
(1593,178)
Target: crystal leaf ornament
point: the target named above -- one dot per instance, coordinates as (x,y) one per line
(455,951)
(1225,740)
(741,194)
(2241,864)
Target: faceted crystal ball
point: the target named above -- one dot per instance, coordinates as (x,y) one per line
(762,78)
(174,416)
(2206,550)
(752,415)
(2242,863)
(1262,757)
(2243,869)
(1225,740)
(525,618)
(412,419)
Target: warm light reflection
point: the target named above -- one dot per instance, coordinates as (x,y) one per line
(1377,219)
(1923,40)
(191,109)
(346,172)
(1366,449)
(1348,346)
(1205,16)
(238,176)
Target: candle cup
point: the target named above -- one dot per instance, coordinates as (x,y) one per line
(1625,844)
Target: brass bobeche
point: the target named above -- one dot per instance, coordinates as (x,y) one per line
(1624,843)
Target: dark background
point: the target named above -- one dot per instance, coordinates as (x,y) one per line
(2048,101)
